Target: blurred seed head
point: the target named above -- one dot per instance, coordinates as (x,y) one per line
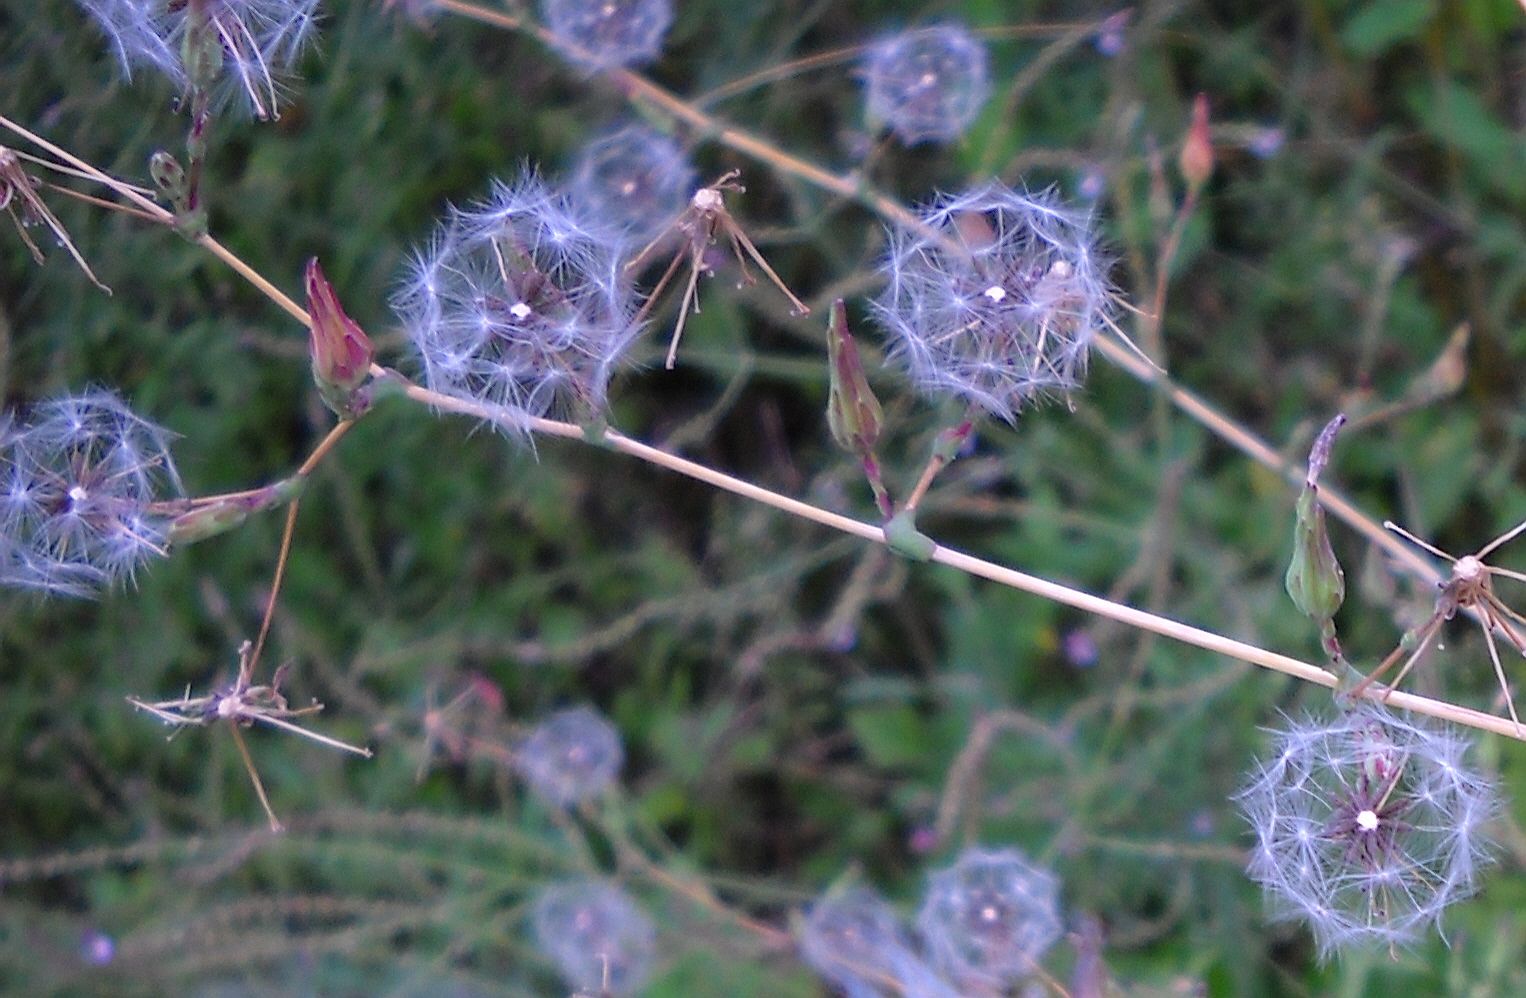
(988,919)
(258,41)
(926,85)
(636,178)
(598,937)
(571,756)
(609,33)
(996,301)
(1367,827)
(77,488)
(856,942)
(520,303)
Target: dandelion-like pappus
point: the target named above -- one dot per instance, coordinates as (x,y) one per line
(520,303)
(989,918)
(571,756)
(927,85)
(995,299)
(636,177)
(1367,827)
(597,935)
(78,491)
(603,34)
(238,46)
(855,940)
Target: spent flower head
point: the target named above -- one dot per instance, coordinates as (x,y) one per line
(927,85)
(79,483)
(996,298)
(597,935)
(225,47)
(988,919)
(856,941)
(636,177)
(603,34)
(571,756)
(1367,827)
(520,303)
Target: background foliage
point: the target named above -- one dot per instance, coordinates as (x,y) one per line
(791,702)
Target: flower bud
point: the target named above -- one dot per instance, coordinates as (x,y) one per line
(1315,580)
(1196,159)
(853,413)
(341,351)
(168,175)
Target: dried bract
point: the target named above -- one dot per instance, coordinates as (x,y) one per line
(21,199)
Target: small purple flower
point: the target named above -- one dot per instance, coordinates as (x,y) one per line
(1110,39)
(603,34)
(250,44)
(521,303)
(926,85)
(637,178)
(989,918)
(1079,648)
(996,299)
(1266,142)
(1367,827)
(97,949)
(79,485)
(598,937)
(572,756)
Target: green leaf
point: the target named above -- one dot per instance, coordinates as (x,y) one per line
(891,736)
(1380,26)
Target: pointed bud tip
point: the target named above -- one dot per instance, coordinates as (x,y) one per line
(341,351)
(1196,160)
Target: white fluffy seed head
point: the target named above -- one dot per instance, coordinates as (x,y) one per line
(988,919)
(1366,827)
(597,935)
(926,85)
(571,756)
(855,941)
(996,299)
(636,177)
(520,303)
(603,34)
(78,481)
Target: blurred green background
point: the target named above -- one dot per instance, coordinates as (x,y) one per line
(791,701)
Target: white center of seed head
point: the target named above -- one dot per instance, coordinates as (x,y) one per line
(1367,820)
(521,311)
(78,494)
(1468,567)
(995,292)
(227,707)
(707,199)
(1061,268)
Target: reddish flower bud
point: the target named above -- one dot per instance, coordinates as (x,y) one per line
(853,413)
(1196,159)
(341,351)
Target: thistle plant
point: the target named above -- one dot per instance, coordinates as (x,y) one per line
(521,303)
(1367,827)
(926,85)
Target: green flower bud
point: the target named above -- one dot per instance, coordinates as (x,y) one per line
(853,413)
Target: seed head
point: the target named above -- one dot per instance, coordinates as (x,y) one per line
(229,47)
(854,940)
(926,85)
(997,299)
(1367,827)
(598,937)
(603,34)
(520,303)
(571,756)
(989,918)
(637,178)
(78,485)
